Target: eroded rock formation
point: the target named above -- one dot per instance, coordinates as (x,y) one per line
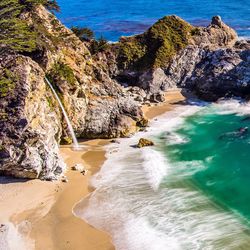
(102,93)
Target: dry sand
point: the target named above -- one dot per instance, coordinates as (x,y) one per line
(39,214)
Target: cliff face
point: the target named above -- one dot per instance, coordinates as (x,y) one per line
(29,126)
(172,53)
(97,106)
(222,73)
(171,49)
(31,123)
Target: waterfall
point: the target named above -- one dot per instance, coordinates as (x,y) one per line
(76,145)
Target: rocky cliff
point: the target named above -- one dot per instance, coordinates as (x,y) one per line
(169,53)
(31,123)
(29,126)
(103,92)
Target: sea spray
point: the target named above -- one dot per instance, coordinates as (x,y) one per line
(71,130)
(144,209)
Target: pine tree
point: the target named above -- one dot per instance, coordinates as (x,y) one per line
(15,33)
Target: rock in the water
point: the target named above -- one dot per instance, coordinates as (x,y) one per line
(144,143)
(115,141)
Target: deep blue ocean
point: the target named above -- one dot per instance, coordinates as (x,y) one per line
(115,18)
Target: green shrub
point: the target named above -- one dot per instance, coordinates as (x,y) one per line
(85,34)
(15,33)
(157,46)
(7,82)
(61,71)
(98,45)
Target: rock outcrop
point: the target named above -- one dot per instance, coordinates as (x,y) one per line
(143,142)
(103,92)
(169,52)
(30,121)
(222,73)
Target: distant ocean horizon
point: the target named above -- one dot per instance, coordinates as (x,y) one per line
(113,19)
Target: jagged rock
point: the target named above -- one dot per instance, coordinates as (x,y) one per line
(144,143)
(159,97)
(30,122)
(173,72)
(223,73)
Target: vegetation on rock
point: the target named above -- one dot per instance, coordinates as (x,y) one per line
(155,47)
(98,45)
(15,33)
(61,71)
(85,34)
(7,82)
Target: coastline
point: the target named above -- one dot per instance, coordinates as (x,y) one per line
(46,217)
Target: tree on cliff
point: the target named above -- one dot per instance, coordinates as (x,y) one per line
(15,33)
(85,34)
(49,4)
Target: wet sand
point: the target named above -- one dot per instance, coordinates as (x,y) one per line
(42,211)
(172,98)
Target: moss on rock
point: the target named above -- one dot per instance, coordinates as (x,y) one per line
(7,82)
(62,71)
(156,46)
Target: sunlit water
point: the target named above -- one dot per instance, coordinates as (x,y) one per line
(113,18)
(190,191)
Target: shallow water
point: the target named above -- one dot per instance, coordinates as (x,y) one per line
(112,18)
(187,192)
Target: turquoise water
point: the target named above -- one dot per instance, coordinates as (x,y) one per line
(213,139)
(113,18)
(188,192)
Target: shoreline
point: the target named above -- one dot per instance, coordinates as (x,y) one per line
(47,215)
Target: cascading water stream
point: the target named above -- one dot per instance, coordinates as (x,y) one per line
(75,142)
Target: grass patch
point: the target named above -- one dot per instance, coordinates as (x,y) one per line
(61,71)
(157,46)
(7,82)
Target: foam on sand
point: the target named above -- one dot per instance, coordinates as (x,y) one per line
(146,203)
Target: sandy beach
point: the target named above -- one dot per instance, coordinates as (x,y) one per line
(39,214)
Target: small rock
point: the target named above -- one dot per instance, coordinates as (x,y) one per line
(78,167)
(115,141)
(144,143)
(84,172)
(64,179)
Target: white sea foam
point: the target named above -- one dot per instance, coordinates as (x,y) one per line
(230,107)
(155,166)
(141,211)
